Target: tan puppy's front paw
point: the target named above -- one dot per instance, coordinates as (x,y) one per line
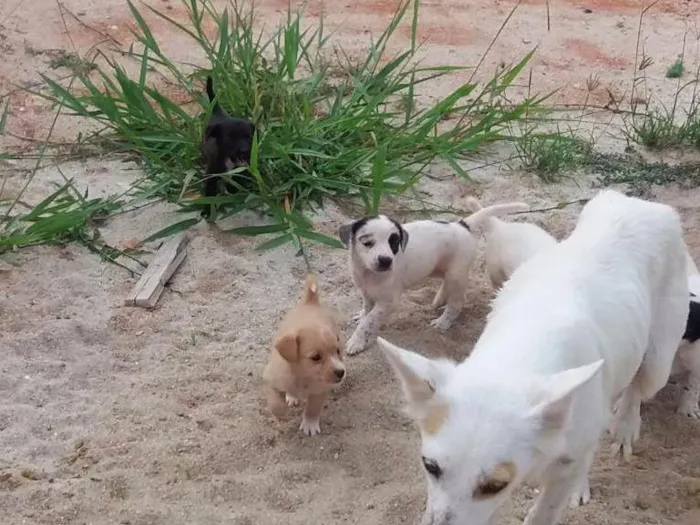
(291,400)
(278,408)
(310,427)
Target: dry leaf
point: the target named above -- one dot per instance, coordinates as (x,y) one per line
(130,244)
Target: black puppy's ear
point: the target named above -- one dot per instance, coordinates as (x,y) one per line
(345,233)
(404,238)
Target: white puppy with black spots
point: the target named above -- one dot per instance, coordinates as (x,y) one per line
(688,357)
(383,264)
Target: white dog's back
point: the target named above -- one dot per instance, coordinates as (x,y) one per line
(593,294)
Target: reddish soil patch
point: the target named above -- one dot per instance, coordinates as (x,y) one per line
(591,54)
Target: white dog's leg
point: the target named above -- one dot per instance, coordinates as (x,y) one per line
(559,483)
(690,357)
(367,329)
(582,492)
(440,297)
(668,322)
(628,421)
(367,305)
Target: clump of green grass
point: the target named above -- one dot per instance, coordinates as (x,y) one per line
(676,69)
(658,130)
(550,155)
(363,135)
(655,130)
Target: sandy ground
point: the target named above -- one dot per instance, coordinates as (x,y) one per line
(123,416)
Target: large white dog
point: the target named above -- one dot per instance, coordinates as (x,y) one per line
(590,322)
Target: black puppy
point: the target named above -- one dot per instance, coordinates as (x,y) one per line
(227,144)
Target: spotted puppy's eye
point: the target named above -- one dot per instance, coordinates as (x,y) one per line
(368,244)
(432,467)
(316,357)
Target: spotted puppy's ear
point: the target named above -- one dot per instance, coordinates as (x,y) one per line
(404,238)
(403,235)
(345,233)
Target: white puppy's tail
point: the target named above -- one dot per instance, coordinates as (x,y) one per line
(481,215)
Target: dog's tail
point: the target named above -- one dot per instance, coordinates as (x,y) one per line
(310,290)
(482,216)
(212,95)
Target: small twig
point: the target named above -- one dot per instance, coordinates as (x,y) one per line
(104,35)
(11,11)
(135,208)
(39,141)
(302,252)
(558,206)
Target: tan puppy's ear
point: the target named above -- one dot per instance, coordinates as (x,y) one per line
(288,346)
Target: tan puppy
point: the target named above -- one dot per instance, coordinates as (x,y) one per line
(306,360)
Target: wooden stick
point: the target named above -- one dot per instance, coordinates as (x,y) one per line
(151,284)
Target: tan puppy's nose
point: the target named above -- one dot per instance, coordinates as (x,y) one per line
(339,373)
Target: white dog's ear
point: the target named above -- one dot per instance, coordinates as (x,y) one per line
(554,396)
(345,233)
(419,375)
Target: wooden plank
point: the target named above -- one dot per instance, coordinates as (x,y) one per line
(151,284)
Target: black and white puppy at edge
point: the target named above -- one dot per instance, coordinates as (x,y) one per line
(387,258)
(688,357)
(227,145)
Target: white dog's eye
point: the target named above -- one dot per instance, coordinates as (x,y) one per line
(368,244)
(432,467)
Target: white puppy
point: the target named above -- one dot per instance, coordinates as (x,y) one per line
(688,358)
(593,319)
(509,244)
(383,264)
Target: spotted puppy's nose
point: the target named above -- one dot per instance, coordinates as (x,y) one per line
(384,262)
(339,373)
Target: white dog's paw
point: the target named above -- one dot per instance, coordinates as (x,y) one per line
(310,427)
(354,346)
(441,323)
(581,495)
(291,400)
(689,409)
(626,433)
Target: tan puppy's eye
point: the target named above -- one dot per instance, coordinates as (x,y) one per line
(316,357)
(495,482)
